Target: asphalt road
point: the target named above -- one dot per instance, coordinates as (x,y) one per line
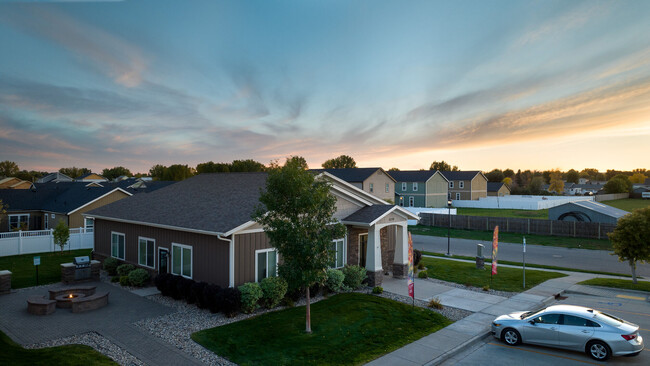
(491,351)
(595,260)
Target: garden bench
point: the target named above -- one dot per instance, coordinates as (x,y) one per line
(92,302)
(40,305)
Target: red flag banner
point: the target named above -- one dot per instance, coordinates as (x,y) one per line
(495,249)
(411,284)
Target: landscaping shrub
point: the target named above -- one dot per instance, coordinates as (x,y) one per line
(115,279)
(273,290)
(251,293)
(211,294)
(354,276)
(196,295)
(421,266)
(423,274)
(172,287)
(161,282)
(435,303)
(315,289)
(377,290)
(125,269)
(110,265)
(138,277)
(417,257)
(183,286)
(124,281)
(334,281)
(486,288)
(230,301)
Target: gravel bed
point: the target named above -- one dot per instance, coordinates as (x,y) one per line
(99,343)
(453,314)
(472,288)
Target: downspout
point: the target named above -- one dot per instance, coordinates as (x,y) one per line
(231,262)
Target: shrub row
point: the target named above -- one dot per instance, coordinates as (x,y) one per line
(205,296)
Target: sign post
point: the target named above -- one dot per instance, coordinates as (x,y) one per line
(37,262)
(524,262)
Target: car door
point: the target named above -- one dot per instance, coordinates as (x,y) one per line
(542,330)
(574,332)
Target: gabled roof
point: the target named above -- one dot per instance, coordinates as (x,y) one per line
(413,175)
(91,174)
(495,186)
(598,207)
(369,215)
(353,175)
(56,176)
(462,174)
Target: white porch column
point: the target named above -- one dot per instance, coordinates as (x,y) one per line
(400,264)
(373,257)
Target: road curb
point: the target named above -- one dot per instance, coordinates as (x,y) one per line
(454,351)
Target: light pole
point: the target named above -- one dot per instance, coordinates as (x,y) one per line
(448,227)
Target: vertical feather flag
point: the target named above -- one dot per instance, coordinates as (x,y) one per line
(495,249)
(411,284)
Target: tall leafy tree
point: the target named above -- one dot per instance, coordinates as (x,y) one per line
(8,169)
(74,172)
(115,172)
(178,172)
(508,173)
(212,167)
(157,171)
(557,184)
(248,165)
(631,238)
(393,169)
(618,184)
(299,161)
(297,215)
(535,185)
(496,175)
(638,178)
(340,162)
(442,165)
(572,176)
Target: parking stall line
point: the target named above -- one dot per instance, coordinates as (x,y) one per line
(543,353)
(631,297)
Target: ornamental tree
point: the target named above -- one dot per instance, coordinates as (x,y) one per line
(631,238)
(297,215)
(61,234)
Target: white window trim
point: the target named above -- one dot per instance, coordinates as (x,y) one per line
(415,186)
(372,187)
(154,252)
(461,184)
(359,248)
(19,216)
(457,196)
(404,187)
(345,250)
(451,184)
(267,259)
(118,243)
(411,201)
(182,246)
(387,187)
(46,222)
(86,223)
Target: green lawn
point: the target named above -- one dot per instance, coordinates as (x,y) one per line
(349,329)
(497,212)
(23,272)
(616,283)
(73,355)
(506,279)
(628,204)
(554,241)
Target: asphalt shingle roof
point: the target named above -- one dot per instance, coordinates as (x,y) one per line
(412,175)
(350,175)
(368,214)
(494,186)
(461,174)
(216,202)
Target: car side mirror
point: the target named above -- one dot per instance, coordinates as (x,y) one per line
(532,322)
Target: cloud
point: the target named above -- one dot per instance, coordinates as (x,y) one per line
(110,55)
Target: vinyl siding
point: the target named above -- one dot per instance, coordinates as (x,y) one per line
(245,247)
(436,189)
(77,220)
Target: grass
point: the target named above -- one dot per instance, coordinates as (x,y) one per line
(73,355)
(553,241)
(347,329)
(507,279)
(628,204)
(528,265)
(23,272)
(505,212)
(616,283)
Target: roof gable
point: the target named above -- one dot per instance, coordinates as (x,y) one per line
(353,175)
(414,175)
(462,174)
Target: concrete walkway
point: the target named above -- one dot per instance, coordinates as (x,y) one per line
(438,347)
(113,321)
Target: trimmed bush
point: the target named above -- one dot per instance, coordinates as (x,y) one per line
(172,287)
(334,281)
(273,290)
(421,266)
(377,290)
(251,293)
(354,276)
(423,274)
(124,281)
(115,279)
(211,297)
(161,282)
(125,269)
(230,301)
(110,265)
(138,277)
(195,295)
(183,286)
(417,257)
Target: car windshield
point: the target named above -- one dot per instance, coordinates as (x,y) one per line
(608,319)
(529,313)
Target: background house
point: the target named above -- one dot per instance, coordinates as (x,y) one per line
(420,188)
(372,180)
(55,177)
(91,177)
(14,183)
(498,189)
(466,185)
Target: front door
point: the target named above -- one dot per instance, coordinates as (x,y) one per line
(363,249)
(163,260)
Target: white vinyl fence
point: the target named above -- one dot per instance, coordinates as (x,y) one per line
(40,241)
(521,202)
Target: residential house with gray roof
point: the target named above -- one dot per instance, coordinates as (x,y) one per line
(466,184)
(372,180)
(420,188)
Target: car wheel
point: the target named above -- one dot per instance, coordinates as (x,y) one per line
(511,336)
(598,350)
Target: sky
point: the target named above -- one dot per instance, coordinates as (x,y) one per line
(479,84)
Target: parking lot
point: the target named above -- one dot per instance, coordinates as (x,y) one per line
(629,306)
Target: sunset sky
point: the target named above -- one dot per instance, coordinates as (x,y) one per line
(479,84)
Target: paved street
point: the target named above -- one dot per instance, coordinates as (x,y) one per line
(596,260)
(629,306)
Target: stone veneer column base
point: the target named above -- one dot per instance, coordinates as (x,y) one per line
(375,278)
(400,270)
(5,282)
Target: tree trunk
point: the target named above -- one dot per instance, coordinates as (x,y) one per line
(308,320)
(633,266)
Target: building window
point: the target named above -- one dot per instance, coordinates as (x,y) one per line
(457,196)
(372,187)
(182,260)
(338,248)
(266,264)
(415,186)
(451,184)
(117,245)
(19,222)
(46,221)
(411,201)
(146,249)
(387,187)
(403,186)
(89,224)
(401,201)
(461,184)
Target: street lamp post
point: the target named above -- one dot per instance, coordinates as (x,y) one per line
(448,227)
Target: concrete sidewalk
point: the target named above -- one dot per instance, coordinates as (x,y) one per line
(440,346)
